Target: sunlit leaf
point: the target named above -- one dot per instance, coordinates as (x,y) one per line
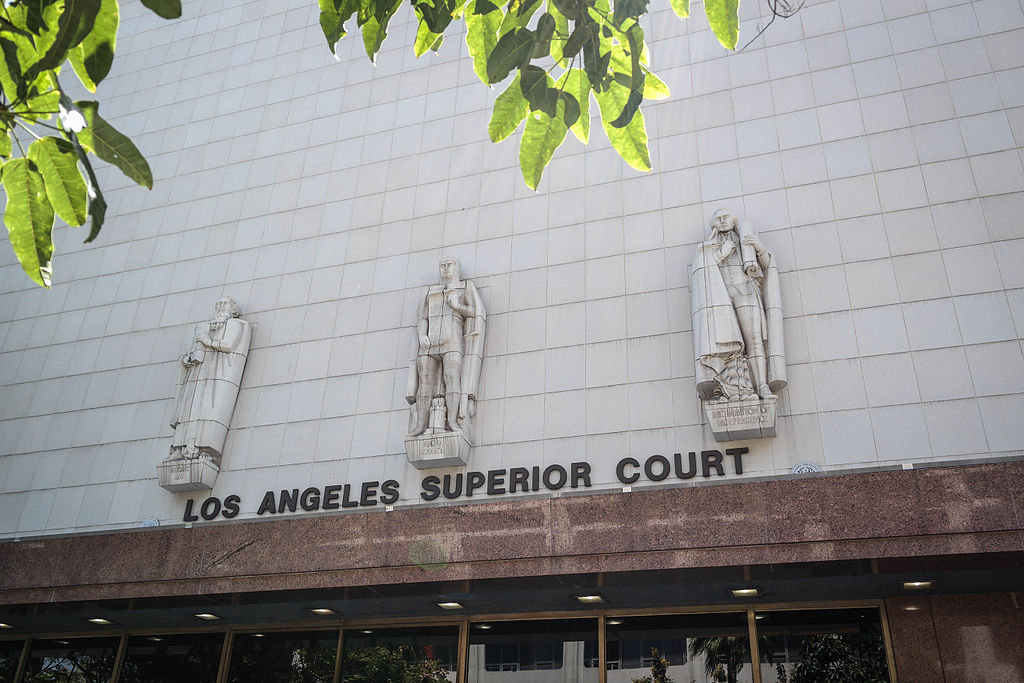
(426,40)
(29,218)
(97,204)
(482,22)
(92,58)
(575,82)
(103,140)
(681,8)
(723,15)
(541,137)
(76,22)
(510,108)
(629,141)
(65,187)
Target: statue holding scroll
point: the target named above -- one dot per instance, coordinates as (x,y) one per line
(737,321)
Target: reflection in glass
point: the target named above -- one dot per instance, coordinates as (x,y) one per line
(808,646)
(533,651)
(190,658)
(75,660)
(400,655)
(10,653)
(287,657)
(711,648)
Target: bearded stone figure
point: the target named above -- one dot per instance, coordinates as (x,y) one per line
(739,352)
(211,375)
(445,376)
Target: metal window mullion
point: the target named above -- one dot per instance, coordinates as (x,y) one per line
(755,654)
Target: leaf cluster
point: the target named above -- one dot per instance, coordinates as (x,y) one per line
(562,52)
(54,176)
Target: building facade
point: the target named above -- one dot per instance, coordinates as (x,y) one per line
(874,148)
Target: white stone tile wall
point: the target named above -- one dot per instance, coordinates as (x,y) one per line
(876,146)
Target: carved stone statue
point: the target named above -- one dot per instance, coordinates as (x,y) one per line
(211,375)
(737,329)
(445,376)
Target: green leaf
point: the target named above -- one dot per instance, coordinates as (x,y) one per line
(654,87)
(571,107)
(482,22)
(512,50)
(65,187)
(168,9)
(375,28)
(97,204)
(103,140)
(92,58)
(76,22)
(29,218)
(437,14)
(575,82)
(518,15)
(426,40)
(333,15)
(681,8)
(629,141)
(628,8)
(723,15)
(11,72)
(536,86)
(577,39)
(5,144)
(542,136)
(542,36)
(561,33)
(510,108)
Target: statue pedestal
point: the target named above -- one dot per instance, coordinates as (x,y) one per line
(187,475)
(736,420)
(442,449)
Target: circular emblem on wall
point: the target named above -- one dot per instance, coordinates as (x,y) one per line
(149,521)
(805,467)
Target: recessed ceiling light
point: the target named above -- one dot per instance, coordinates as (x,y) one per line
(483,627)
(155,639)
(322,610)
(450,605)
(745,593)
(258,635)
(613,622)
(367,631)
(911,608)
(100,620)
(760,616)
(62,642)
(590,599)
(917,585)
(2,625)
(207,616)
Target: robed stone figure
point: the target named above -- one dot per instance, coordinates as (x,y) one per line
(737,319)
(211,376)
(445,377)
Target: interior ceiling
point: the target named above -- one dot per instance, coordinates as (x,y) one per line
(825,581)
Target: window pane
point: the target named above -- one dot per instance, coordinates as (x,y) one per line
(10,653)
(75,660)
(188,658)
(393,655)
(290,657)
(529,651)
(807,646)
(685,647)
